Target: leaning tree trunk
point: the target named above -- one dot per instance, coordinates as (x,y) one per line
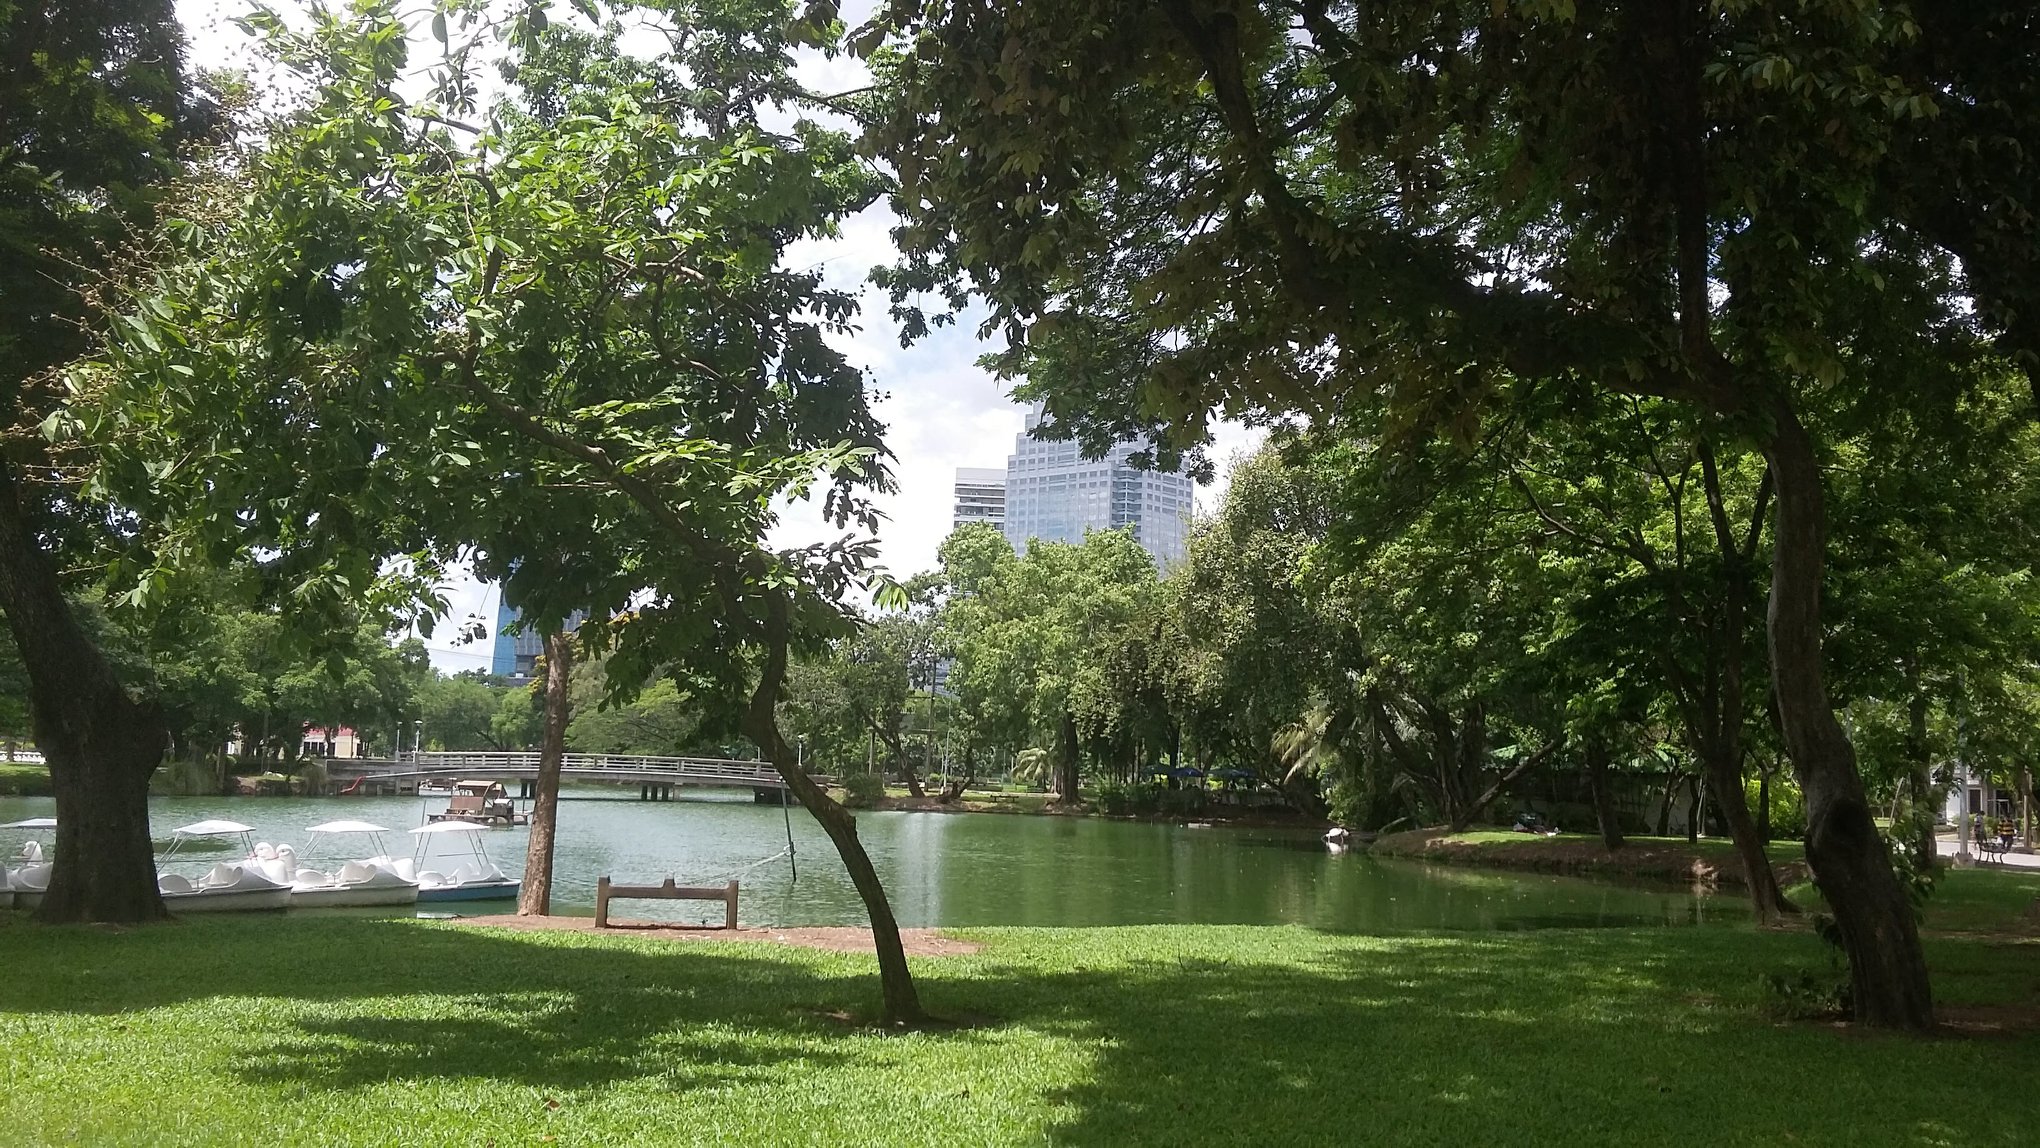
(1887,967)
(1604,801)
(1528,762)
(903,764)
(900,1002)
(1726,782)
(534,898)
(1764,805)
(101,744)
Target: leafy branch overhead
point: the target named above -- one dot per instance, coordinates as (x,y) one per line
(570,321)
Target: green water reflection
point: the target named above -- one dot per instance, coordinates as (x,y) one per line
(982,869)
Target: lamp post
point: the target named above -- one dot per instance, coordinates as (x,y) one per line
(928,671)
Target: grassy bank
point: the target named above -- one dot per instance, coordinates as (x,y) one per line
(20,779)
(337,1030)
(979,801)
(1045,804)
(1641,858)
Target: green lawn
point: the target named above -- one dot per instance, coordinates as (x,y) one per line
(313,1030)
(24,778)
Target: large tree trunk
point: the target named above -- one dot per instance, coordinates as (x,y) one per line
(101,744)
(1887,967)
(1066,751)
(900,1002)
(1604,801)
(534,899)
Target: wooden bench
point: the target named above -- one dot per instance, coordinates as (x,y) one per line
(665,892)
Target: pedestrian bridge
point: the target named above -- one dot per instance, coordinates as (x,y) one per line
(654,776)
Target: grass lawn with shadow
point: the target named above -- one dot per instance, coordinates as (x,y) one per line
(318,1030)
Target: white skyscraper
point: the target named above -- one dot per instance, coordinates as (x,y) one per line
(1055,494)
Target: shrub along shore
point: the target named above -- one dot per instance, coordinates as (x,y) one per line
(315,1030)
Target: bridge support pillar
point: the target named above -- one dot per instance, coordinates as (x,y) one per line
(644,791)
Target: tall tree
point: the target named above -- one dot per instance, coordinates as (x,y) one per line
(1039,630)
(91,100)
(1668,535)
(564,338)
(880,668)
(1324,209)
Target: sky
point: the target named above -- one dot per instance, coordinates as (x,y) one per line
(941,409)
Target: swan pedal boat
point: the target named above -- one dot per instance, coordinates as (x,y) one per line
(375,880)
(229,886)
(27,878)
(475,879)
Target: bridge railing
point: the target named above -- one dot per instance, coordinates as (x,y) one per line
(482,764)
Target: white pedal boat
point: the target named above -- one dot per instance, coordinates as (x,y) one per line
(475,879)
(374,880)
(229,886)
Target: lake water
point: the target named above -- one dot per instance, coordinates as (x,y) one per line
(946,869)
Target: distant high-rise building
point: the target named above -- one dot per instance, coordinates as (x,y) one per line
(503,657)
(980,496)
(515,654)
(1055,494)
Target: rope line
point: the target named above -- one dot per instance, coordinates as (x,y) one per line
(786,812)
(723,879)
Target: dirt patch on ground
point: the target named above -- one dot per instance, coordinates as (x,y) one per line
(1648,861)
(1986,1021)
(836,938)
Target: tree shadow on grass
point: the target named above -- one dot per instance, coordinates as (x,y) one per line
(1603,1036)
(1208,1036)
(419,1002)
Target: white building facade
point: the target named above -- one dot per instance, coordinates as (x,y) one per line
(1055,494)
(980,496)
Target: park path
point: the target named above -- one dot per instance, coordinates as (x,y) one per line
(1946,845)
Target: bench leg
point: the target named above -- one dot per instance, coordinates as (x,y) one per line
(730,907)
(602,903)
